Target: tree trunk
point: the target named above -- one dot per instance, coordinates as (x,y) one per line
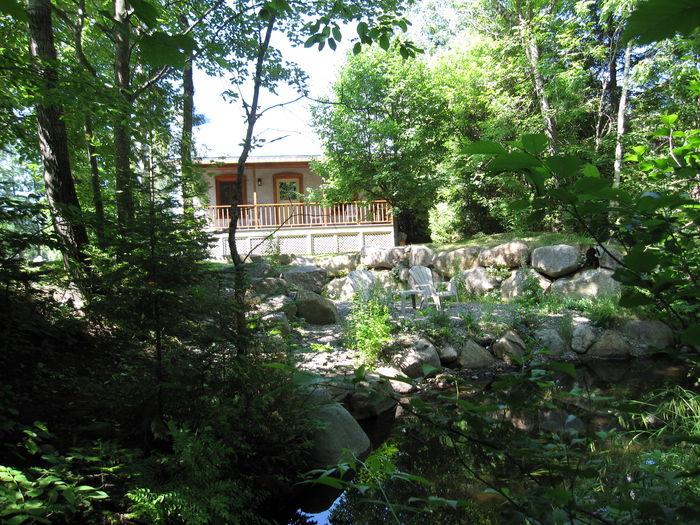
(97,201)
(53,140)
(186,139)
(532,53)
(251,119)
(122,141)
(239,321)
(622,106)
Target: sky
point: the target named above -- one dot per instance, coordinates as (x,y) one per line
(224,130)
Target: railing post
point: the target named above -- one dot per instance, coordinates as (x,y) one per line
(255,209)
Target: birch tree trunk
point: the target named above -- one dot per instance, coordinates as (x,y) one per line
(53,140)
(622,106)
(122,141)
(187,124)
(97,201)
(532,53)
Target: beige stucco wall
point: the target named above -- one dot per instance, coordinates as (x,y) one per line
(265,192)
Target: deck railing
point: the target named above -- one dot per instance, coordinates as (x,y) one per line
(303,214)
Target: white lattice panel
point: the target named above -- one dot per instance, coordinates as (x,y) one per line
(348,243)
(259,245)
(323,244)
(378,240)
(297,245)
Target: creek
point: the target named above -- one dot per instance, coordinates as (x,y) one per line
(420,450)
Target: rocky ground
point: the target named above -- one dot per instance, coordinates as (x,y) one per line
(321,349)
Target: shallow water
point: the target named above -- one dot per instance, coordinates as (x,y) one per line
(427,454)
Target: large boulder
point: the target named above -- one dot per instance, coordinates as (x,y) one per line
(587,283)
(650,334)
(477,281)
(311,278)
(557,260)
(339,289)
(447,353)
(339,265)
(551,340)
(269,286)
(398,381)
(416,353)
(420,256)
(278,303)
(608,257)
(509,255)
(611,345)
(259,269)
(452,262)
(515,285)
(370,400)
(582,337)
(374,257)
(315,309)
(277,321)
(385,279)
(339,431)
(473,355)
(361,280)
(511,344)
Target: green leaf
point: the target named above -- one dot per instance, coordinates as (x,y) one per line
(304,378)
(362,28)
(563,195)
(564,166)
(669,119)
(640,260)
(655,20)
(357,48)
(14,9)
(147,12)
(313,39)
(534,144)
(281,366)
(567,368)
(691,335)
(384,42)
(328,481)
(161,49)
(519,204)
(632,298)
(429,369)
(513,162)
(589,170)
(483,147)
(594,186)
(337,35)
(558,495)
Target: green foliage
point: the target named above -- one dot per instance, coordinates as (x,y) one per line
(525,444)
(236,445)
(367,327)
(23,233)
(444,221)
(384,132)
(431,323)
(54,487)
(661,262)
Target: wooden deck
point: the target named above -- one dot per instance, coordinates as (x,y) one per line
(302,215)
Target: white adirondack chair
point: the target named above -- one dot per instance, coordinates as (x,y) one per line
(423,278)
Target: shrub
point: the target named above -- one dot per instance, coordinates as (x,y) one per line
(367,327)
(444,222)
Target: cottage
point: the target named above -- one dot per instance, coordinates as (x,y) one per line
(275,216)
